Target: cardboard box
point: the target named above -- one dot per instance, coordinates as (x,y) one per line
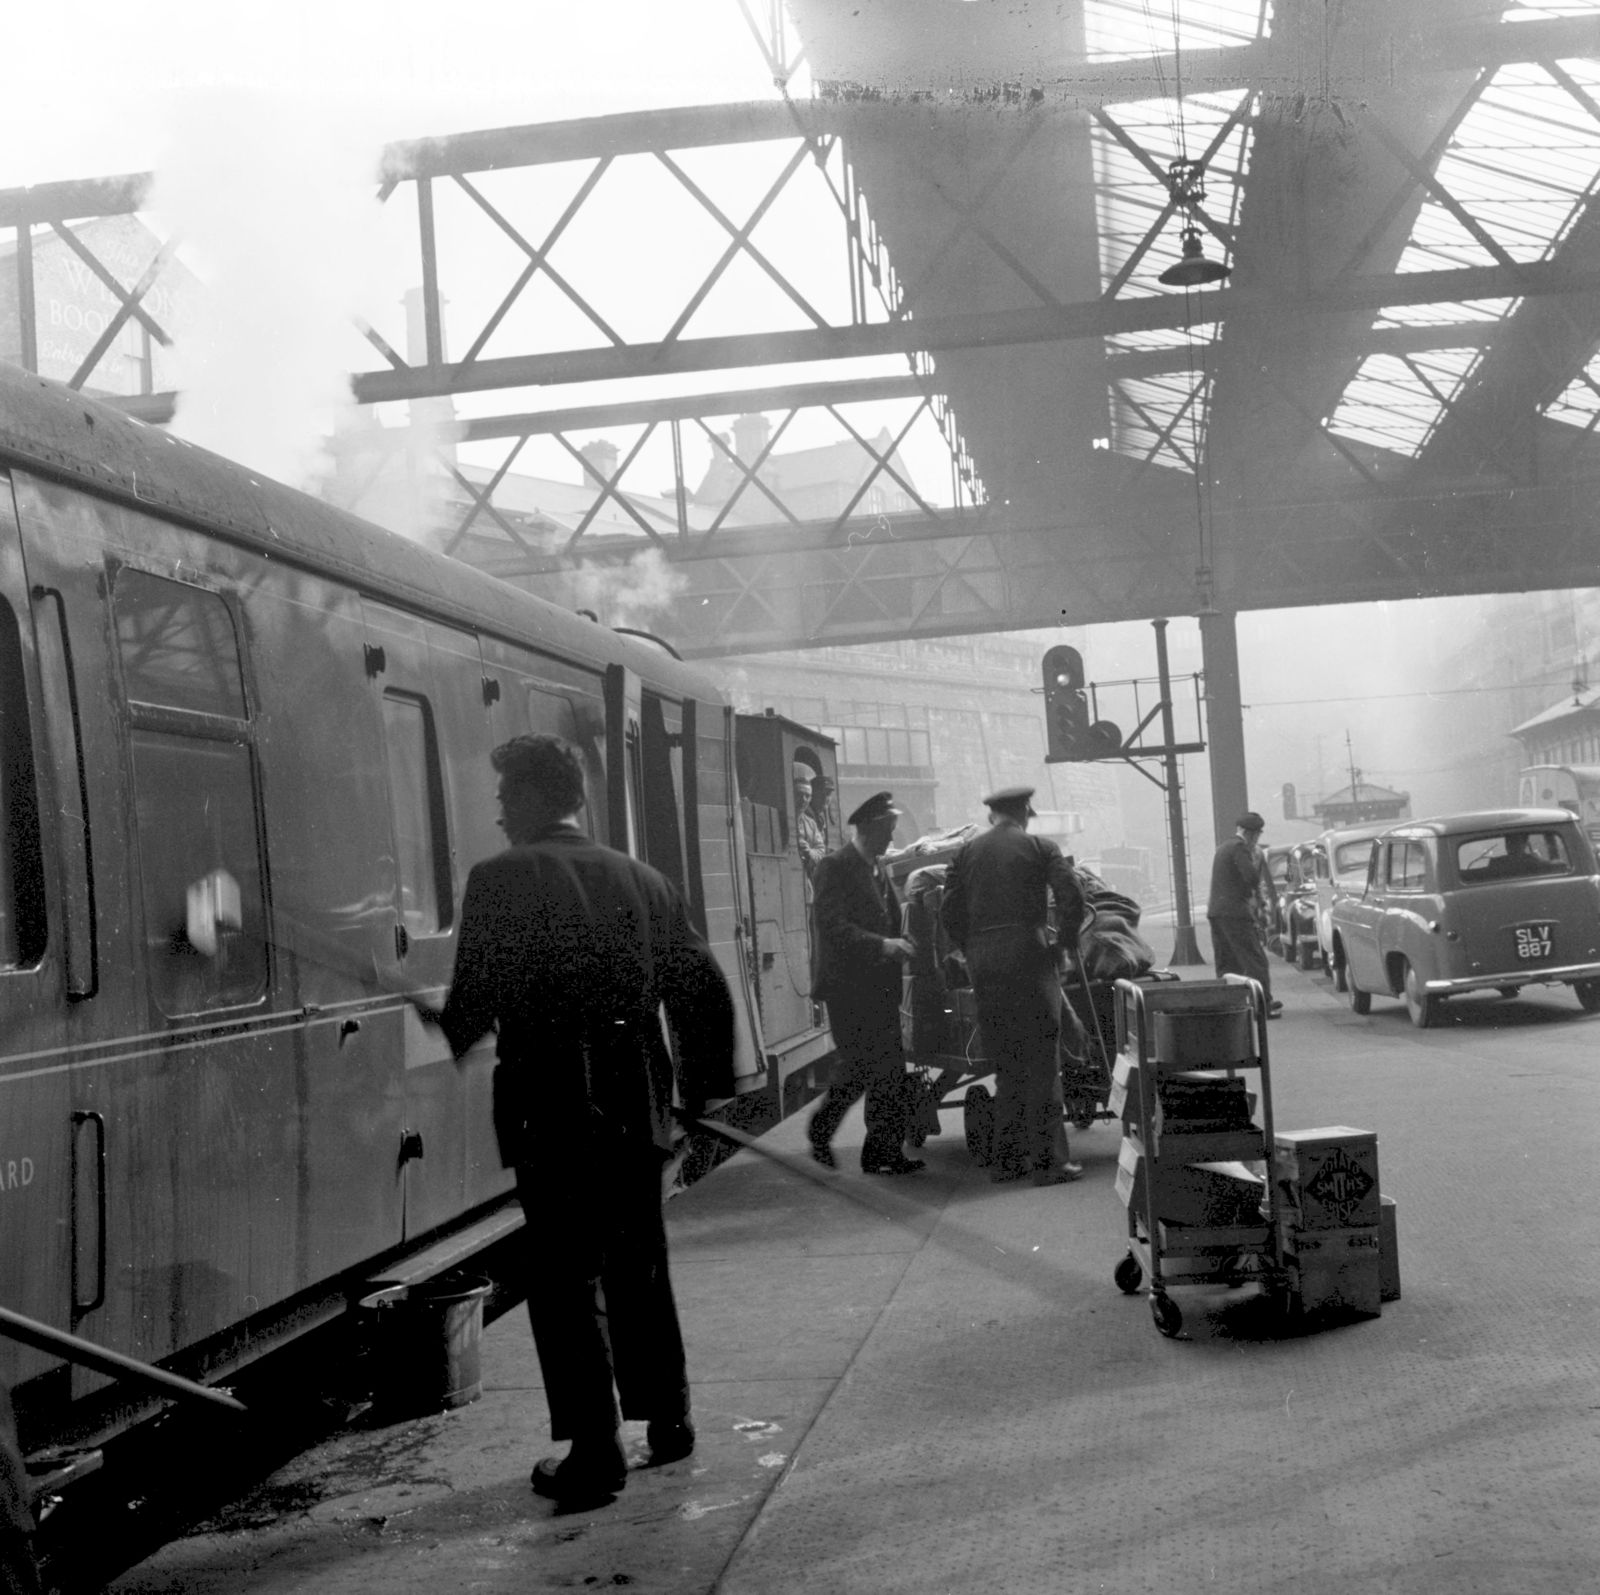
(1214,1195)
(1388,1252)
(1124,1097)
(1328,1177)
(1334,1270)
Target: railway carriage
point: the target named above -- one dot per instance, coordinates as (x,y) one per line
(244,771)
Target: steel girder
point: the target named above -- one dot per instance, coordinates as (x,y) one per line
(983,191)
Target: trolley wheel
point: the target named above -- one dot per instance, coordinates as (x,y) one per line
(1128,1275)
(977,1119)
(1082,1112)
(1169,1320)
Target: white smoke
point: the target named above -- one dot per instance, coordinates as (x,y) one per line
(625,595)
(275,204)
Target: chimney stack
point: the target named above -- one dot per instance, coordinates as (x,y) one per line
(750,434)
(600,460)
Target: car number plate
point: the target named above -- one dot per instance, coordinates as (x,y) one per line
(1533,941)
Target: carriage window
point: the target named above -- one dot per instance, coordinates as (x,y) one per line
(557,714)
(416,800)
(196,812)
(178,645)
(22,922)
(662,726)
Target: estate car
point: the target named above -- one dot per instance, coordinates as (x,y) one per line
(1490,901)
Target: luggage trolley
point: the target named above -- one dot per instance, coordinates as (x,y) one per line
(1194,1216)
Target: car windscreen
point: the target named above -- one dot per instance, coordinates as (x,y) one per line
(1350,860)
(1512,855)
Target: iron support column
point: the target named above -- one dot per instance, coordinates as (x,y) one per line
(1219,655)
(1185,949)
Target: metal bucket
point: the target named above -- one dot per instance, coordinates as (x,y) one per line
(1195,1040)
(432,1342)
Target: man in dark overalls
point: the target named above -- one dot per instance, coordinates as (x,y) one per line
(995,910)
(1235,907)
(573,949)
(860,953)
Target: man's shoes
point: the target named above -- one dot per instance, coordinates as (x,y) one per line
(1274,1008)
(670,1442)
(588,1477)
(1062,1174)
(821,1152)
(898,1164)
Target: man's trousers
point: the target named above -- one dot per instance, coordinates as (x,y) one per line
(600,1297)
(1237,949)
(866,1034)
(1021,1024)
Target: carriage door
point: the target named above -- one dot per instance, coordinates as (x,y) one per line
(429,698)
(528,694)
(625,760)
(35,1188)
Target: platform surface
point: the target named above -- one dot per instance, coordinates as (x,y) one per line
(930,1384)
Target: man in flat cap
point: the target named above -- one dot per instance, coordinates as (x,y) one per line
(995,911)
(1238,888)
(860,952)
(808,834)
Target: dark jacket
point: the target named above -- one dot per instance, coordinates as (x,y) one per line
(996,902)
(1236,881)
(572,949)
(854,918)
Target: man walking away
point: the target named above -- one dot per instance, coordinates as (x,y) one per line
(860,952)
(995,910)
(573,949)
(1234,909)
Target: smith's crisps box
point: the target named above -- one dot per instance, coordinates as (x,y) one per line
(1334,1270)
(1328,1177)
(1222,1195)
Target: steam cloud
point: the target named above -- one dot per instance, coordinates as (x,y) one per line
(624,595)
(274,203)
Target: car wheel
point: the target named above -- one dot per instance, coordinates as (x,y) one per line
(1360,1001)
(1508,991)
(1306,956)
(1588,994)
(1423,1008)
(1336,968)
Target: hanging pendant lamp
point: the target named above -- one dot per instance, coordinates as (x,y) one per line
(1193,270)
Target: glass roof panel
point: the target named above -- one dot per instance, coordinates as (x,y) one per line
(1515,177)
(1123,30)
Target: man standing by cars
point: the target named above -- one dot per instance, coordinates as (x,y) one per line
(572,949)
(860,952)
(995,909)
(1234,908)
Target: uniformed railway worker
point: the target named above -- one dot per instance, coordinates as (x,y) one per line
(860,952)
(995,910)
(1239,884)
(572,949)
